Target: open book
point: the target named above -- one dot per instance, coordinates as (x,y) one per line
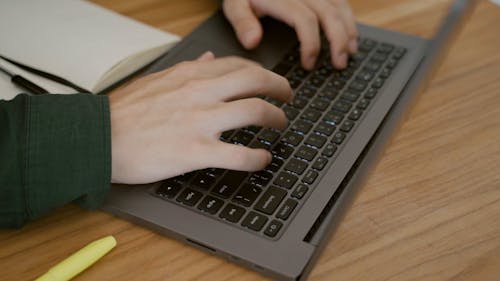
(79,41)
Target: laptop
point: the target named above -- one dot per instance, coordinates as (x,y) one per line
(276,221)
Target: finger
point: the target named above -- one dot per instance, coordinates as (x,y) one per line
(302,19)
(237,157)
(350,24)
(246,112)
(244,21)
(206,56)
(245,83)
(334,28)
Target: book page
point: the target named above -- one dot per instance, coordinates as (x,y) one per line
(76,40)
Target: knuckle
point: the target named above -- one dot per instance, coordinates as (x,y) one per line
(193,86)
(309,17)
(184,68)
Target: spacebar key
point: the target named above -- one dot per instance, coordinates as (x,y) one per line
(270,200)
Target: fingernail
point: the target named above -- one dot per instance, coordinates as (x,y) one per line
(353,46)
(342,60)
(310,61)
(248,37)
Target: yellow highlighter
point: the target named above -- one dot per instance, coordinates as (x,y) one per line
(80,260)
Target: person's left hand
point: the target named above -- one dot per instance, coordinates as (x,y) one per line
(305,16)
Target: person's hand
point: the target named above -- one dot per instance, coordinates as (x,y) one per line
(305,16)
(169,123)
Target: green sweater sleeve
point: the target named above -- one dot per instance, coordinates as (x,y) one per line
(54,149)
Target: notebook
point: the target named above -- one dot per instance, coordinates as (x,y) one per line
(86,44)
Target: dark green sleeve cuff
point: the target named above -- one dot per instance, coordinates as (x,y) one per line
(64,152)
(68,151)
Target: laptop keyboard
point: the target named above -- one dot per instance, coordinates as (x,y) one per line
(327,106)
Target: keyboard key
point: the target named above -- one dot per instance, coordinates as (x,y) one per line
(355,114)
(385,73)
(300,72)
(214,172)
(290,112)
(370,93)
(282,150)
(294,82)
(378,57)
(232,213)
(306,91)
(350,96)
(359,56)
(358,85)
(347,126)
(296,166)
(378,83)
(254,221)
(329,150)
(299,102)
(169,189)
(342,106)
(392,63)
(310,176)
(385,48)
(247,194)
(300,191)
(243,138)
(366,45)
(261,178)
(210,204)
(229,183)
(285,180)
(286,209)
(324,128)
(320,104)
(372,66)
(399,52)
(259,144)
(328,93)
(363,104)
(333,117)
(275,165)
(302,126)
(273,228)
(189,197)
(269,136)
(227,135)
(203,181)
(306,153)
(270,200)
(253,129)
(315,140)
(320,163)
(338,137)
(292,138)
(315,82)
(337,84)
(311,115)
(366,76)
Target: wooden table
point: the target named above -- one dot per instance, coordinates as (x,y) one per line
(429,211)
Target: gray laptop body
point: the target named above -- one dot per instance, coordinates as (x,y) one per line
(291,254)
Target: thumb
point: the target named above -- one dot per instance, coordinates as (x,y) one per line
(244,21)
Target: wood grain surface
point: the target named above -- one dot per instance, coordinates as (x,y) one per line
(430,210)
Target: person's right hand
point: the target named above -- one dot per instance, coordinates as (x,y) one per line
(169,123)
